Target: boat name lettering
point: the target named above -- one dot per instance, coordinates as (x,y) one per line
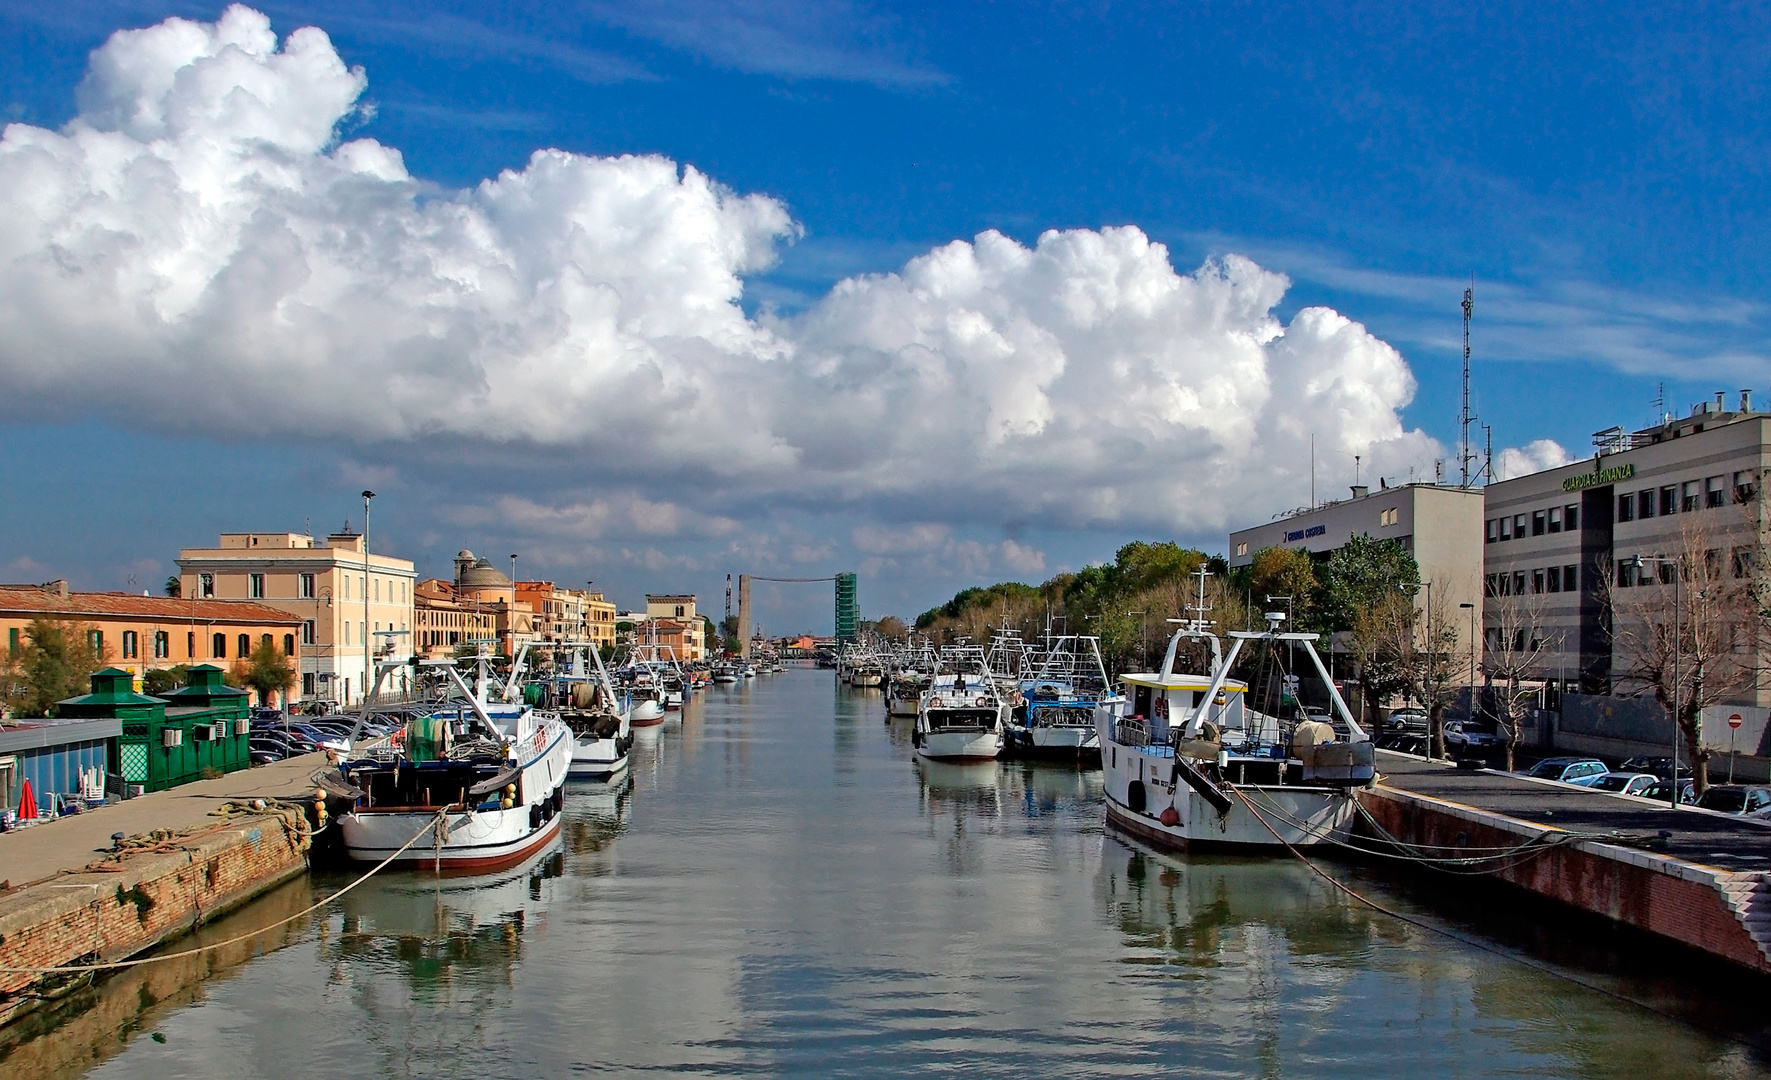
(1599,476)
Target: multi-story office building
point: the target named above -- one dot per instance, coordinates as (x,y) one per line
(1440,526)
(355,606)
(1553,539)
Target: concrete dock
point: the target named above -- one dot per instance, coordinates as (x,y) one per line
(69,897)
(1692,876)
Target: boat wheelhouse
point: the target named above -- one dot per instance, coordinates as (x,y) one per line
(1188,764)
(1064,683)
(962,715)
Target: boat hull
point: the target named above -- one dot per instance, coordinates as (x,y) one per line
(646,712)
(478,844)
(960,746)
(1320,816)
(598,760)
(1055,743)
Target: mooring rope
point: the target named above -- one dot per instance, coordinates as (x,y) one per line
(117,964)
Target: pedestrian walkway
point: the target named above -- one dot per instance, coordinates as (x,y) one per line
(48,848)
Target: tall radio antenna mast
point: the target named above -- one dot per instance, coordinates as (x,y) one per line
(1466,419)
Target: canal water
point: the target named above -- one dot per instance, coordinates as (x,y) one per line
(782,888)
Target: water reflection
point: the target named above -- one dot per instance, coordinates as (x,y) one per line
(783,888)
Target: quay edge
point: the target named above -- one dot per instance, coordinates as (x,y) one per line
(1725,914)
(149,898)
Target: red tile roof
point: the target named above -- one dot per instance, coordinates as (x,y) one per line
(35,600)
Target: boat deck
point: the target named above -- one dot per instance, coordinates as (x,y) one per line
(1722,841)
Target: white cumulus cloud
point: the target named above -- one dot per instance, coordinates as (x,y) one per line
(199,250)
(1533,457)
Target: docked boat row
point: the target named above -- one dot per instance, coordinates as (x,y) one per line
(1189,761)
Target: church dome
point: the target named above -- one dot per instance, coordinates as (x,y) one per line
(483,575)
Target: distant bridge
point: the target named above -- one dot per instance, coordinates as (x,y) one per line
(848,611)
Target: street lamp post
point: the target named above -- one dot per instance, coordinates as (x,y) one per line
(1678,647)
(368,660)
(1143,637)
(1471,608)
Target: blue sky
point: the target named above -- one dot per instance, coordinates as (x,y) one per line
(1601,171)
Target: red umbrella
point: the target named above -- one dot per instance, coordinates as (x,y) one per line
(27,802)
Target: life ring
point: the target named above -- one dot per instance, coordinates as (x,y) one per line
(936,703)
(983,701)
(399,737)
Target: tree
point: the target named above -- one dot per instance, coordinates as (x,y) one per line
(267,671)
(1277,571)
(174,588)
(1431,656)
(1516,631)
(157,681)
(1687,629)
(57,662)
(891,628)
(1368,589)
(1382,634)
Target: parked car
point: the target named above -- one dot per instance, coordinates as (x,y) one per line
(293,742)
(1570,770)
(1462,737)
(1659,766)
(1736,799)
(1625,783)
(1410,720)
(1406,742)
(1661,791)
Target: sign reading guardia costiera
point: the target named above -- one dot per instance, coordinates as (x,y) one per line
(1599,476)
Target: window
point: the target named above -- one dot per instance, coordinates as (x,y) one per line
(131,645)
(264,639)
(1518,525)
(1743,562)
(378,590)
(162,645)
(1645,504)
(1388,517)
(1669,500)
(1537,581)
(1571,516)
(307,684)
(307,631)
(305,586)
(1518,584)
(1540,522)
(288,644)
(1242,548)
(96,638)
(1570,580)
(1746,486)
(346,579)
(1555,519)
(1626,508)
(1688,496)
(245,643)
(1506,528)
(679,611)
(347,632)
(12,641)
(219,647)
(1490,531)
(1626,574)
(1714,497)
(1554,582)
(206,585)
(255,583)
(190,646)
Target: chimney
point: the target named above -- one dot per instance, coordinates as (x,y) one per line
(1746,401)
(1360,491)
(1718,401)
(58,588)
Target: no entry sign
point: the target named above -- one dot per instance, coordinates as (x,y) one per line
(1734,720)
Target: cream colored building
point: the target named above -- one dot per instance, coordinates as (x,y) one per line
(681,608)
(355,607)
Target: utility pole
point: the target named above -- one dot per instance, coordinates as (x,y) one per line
(1465,420)
(368,659)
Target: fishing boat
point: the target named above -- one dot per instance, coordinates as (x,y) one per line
(1065,682)
(598,715)
(961,716)
(1188,764)
(482,776)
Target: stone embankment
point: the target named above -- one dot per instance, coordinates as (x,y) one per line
(72,895)
(1690,876)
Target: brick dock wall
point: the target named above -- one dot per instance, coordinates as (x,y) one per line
(1697,906)
(90,917)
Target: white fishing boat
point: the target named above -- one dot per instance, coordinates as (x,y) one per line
(478,781)
(599,716)
(1188,765)
(961,716)
(1065,682)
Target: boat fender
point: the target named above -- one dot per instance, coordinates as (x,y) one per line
(916,737)
(1169,817)
(535,816)
(1134,796)
(559,799)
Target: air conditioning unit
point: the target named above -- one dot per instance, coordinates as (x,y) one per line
(170,737)
(210,732)
(242,727)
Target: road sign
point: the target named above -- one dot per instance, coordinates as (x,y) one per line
(1734,720)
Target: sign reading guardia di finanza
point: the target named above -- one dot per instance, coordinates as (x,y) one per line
(1598,477)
